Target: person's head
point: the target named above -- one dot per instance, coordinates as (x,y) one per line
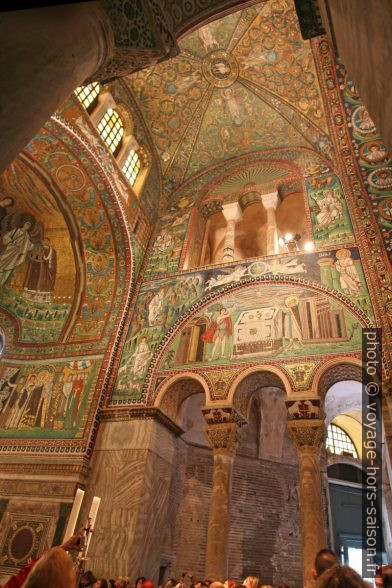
(252,582)
(119,582)
(202,584)
(230,583)
(101,583)
(383,577)
(139,581)
(216,585)
(148,584)
(340,577)
(87,579)
(325,559)
(53,570)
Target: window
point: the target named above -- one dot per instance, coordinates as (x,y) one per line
(88,95)
(132,166)
(111,130)
(339,443)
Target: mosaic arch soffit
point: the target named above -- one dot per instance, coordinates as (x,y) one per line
(62,190)
(243,83)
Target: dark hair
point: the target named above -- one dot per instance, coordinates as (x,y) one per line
(340,577)
(385,572)
(139,579)
(88,578)
(104,583)
(325,559)
(283,585)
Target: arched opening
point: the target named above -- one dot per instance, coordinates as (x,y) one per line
(255,223)
(265,490)
(185,534)
(346,479)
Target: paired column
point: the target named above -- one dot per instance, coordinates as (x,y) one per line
(306,426)
(270,203)
(232,213)
(222,436)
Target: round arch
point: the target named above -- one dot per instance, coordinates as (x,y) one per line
(276,377)
(336,370)
(167,384)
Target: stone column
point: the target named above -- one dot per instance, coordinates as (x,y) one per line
(46,52)
(307,434)
(221,433)
(270,203)
(232,213)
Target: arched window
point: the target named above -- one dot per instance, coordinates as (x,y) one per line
(339,443)
(111,130)
(88,95)
(132,166)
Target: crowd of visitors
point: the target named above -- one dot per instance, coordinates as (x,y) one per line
(55,569)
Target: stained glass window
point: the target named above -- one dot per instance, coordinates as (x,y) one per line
(338,442)
(111,130)
(88,95)
(132,167)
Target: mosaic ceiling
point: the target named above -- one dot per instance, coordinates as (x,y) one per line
(242,84)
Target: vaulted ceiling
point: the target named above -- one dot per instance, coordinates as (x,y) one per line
(241,84)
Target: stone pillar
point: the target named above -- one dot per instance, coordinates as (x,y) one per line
(270,203)
(221,433)
(308,434)
(232,213)
(46,52)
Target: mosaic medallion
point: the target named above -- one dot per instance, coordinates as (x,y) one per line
(220,68)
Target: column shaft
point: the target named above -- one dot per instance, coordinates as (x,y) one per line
(272,232)
(228,249)
(46,53)
(312,521)
(218,524)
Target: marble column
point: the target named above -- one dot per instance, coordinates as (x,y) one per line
(232,213)
(47,52)
(307,435)
(223,440)
(270,203)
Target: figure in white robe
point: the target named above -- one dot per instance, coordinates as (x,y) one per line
(350,281)
(17,246)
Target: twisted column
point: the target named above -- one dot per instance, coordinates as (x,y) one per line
(307,434)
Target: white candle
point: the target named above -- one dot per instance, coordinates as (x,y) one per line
(73,517)
(92,517)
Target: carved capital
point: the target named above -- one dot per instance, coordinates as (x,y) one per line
(141,37)
(210,207)
(232,212)
(222,438)
(248,198)
(223,414)
(270,200)
(307,434)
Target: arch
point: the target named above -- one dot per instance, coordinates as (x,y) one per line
(166,385)
(335,370)
(229,289)
(276,377)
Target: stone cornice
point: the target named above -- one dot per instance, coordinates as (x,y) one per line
(140,413)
